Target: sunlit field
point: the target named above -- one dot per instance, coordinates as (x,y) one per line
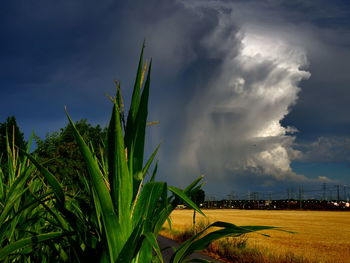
(321,236)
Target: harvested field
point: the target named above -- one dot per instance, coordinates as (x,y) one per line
(322,236)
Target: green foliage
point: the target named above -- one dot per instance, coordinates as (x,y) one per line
(61,153)
(198,196)
(9,131)
(25,229)
(10,128)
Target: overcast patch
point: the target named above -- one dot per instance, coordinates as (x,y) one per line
(325,150)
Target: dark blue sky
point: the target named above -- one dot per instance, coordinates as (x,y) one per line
(229,77)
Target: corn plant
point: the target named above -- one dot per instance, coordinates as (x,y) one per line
(23,222)
(126,207)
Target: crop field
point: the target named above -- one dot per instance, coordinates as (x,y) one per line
(321,236)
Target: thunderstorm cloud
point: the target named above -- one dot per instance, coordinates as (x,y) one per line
(234,121)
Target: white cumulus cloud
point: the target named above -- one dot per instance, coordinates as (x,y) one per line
(234,119)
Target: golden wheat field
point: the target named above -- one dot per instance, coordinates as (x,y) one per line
(321,236)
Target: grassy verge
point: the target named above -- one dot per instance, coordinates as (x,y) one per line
(232,249)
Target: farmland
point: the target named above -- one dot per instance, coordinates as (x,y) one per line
(321,236)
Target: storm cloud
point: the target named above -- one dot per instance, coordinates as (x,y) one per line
(234,121)
(242,89)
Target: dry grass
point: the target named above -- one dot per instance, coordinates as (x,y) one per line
(321,236)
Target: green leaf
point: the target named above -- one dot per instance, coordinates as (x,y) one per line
(119,177)
(180,193)
(149,162)
(193,184)
(30,241)
(195,243)
(30,206)
(154,172)
(147,202)
(132,245)
(140,125)
(135,99)
(5,212)
(130,129)
(51,179)
(109,218)
(151,238)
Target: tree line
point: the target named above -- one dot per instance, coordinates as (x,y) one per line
(58,150)
(60,153)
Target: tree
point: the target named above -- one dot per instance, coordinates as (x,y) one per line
(10,130)
(60,152)
(198,197)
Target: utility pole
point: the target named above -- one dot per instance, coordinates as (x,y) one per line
(256,199)
(324,191)
(233,195)
(270,198)
(301,197)
(346,197)
(338,197)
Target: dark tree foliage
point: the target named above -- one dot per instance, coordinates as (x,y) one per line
(10,128)
(61,154)
(198,196)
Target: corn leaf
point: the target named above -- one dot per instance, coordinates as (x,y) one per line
(130,129)
(132,245)
(119,177)
(147,202)
(109,218)
(152,239)
(140,125)
(193,184)
(149,162)
(180,193)
(154,172)
(30,241)
(51,179)
(195,243)
(135,99)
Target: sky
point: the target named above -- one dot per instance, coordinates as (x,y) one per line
(254,95)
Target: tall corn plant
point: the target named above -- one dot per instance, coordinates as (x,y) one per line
(131,211)
(126,211)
